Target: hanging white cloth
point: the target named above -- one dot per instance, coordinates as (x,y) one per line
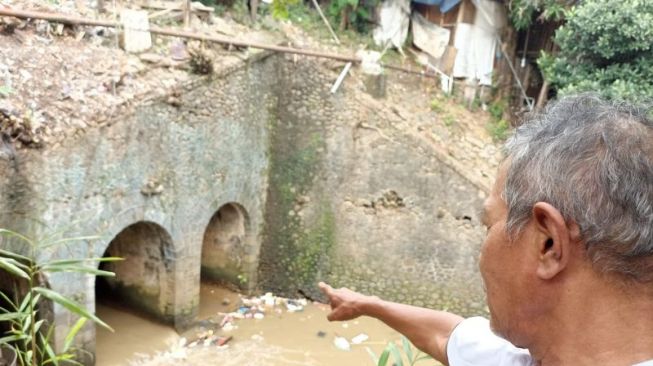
(477,43)
(394,17)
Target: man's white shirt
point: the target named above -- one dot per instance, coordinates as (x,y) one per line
(472,343)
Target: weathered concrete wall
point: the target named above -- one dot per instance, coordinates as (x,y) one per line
(169,167)
(356,199)
(260,178)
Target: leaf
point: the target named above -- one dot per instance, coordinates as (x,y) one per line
(70,305)
(83,261)
(76,269)
(70,337)
(38,325)
(396,354)
(68,240)
(13,338)
(17,256)
(9,233)
(8,300)
(48,349)
(408,350)
(12,266)
(11,316)
(26,302)
(373,355)
(385,355)
(64,357)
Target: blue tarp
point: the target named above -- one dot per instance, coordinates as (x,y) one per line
(445,5)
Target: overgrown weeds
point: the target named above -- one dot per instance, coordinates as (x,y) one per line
(498,126)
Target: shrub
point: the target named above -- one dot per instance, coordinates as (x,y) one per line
(605,46)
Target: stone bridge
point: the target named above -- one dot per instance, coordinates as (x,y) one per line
(258,178)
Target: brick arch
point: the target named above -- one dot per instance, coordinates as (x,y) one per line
(227,247)
(145,278)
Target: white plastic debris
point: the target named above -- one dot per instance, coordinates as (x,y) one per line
(229,327)
(259,316)
(341,343)
(182,342)
(360,338)
(268,299)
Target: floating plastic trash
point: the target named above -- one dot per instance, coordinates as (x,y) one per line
(360,338)
(341,343)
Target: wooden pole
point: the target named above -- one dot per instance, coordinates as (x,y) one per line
(73,20)
(187,11)
(326,22)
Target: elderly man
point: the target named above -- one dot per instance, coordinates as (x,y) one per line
(568,257)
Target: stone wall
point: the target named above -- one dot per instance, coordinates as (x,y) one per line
(258,177)
(149,184)
(355,198)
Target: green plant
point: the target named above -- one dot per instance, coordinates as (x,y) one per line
(242,279)
(448,120)
(412,356)
(498,126)
(604,47)
(6,91)
(280,8)
(30,334)
(522,12)
(497,109)
(356,14)
(499,129)
(436,106)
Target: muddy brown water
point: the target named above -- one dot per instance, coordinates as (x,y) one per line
(280,339)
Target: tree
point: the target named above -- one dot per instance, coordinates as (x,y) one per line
(605,46)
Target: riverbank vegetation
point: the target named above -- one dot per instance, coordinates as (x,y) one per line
(27,308)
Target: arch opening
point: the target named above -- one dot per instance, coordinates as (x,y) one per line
(226,247)
(144,279)
(138,302)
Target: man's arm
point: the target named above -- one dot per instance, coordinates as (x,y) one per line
(427,329)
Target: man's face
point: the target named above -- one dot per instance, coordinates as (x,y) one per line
(505,268)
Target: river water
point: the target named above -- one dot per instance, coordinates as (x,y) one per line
(281,338)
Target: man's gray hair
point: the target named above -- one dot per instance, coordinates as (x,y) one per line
(593,160)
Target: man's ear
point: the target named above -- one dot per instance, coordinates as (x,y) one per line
(553,242)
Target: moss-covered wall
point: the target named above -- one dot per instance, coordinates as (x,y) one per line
(298,242)
(355,199)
